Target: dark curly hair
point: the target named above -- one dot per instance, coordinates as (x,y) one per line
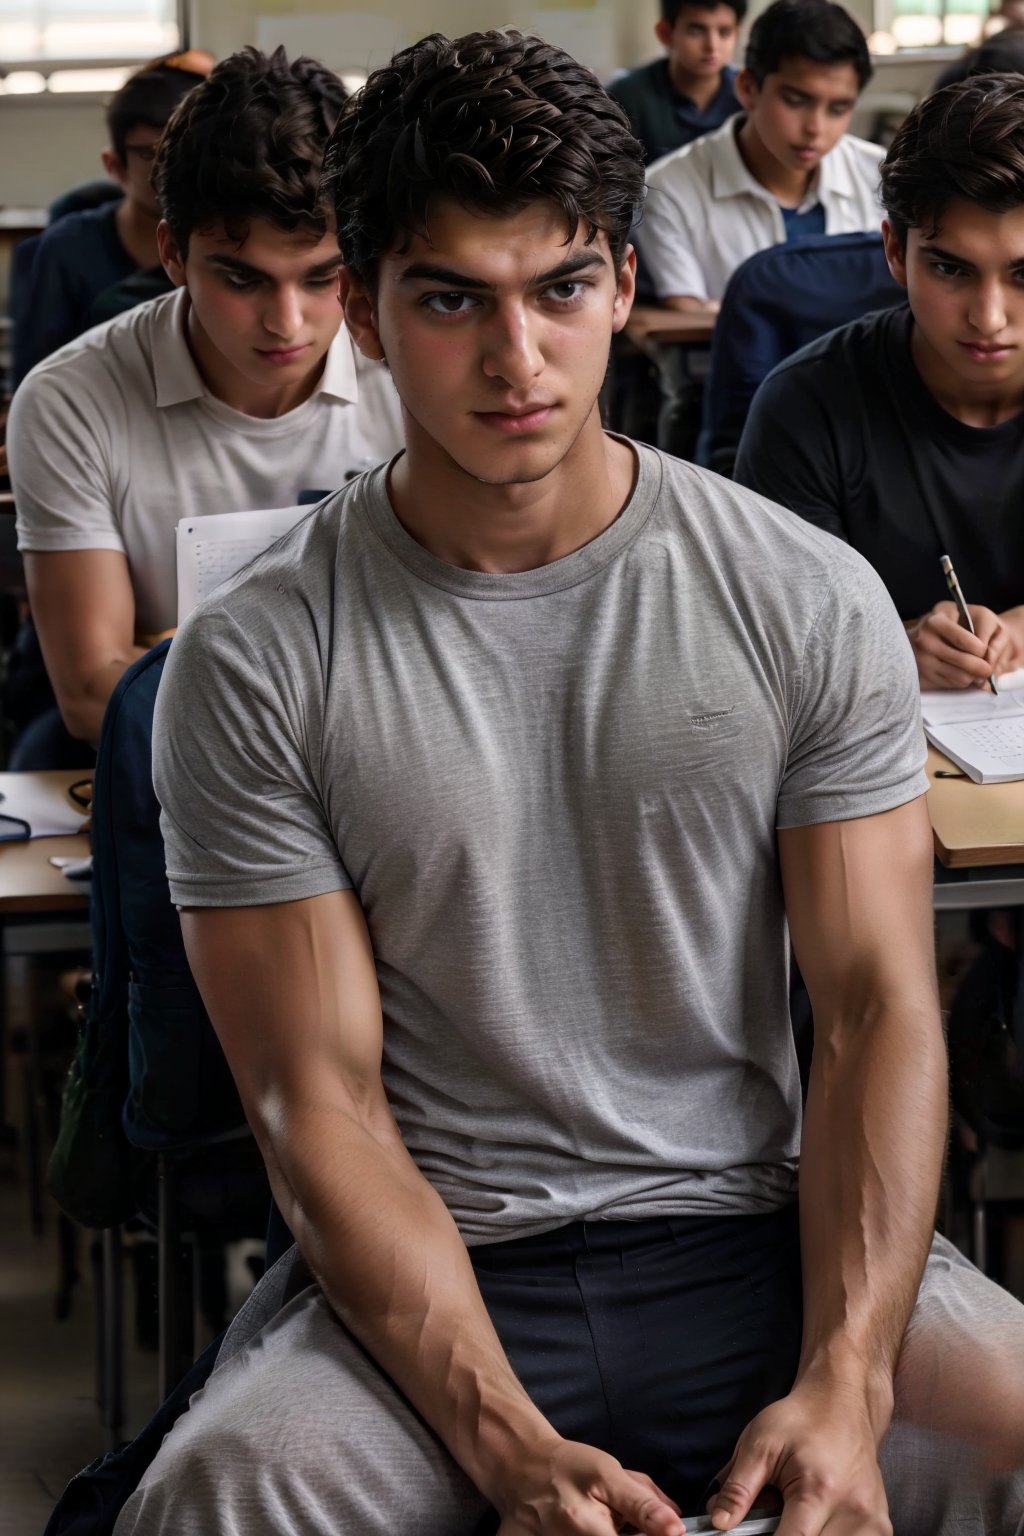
(495,120)
(248,144)
(966,140)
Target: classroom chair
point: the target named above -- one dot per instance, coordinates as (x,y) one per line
(778,301)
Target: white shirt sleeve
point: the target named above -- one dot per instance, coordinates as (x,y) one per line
(61,465)
(669,243)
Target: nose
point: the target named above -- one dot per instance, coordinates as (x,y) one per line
(512,347)
(814,125)
(282,314)
(987,313)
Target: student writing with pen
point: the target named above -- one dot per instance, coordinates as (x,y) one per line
(903,433)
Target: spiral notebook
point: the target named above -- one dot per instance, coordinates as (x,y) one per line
(983,733)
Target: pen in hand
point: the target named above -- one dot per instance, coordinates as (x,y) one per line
(961,607)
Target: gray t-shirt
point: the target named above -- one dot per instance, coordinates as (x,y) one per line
(556,794)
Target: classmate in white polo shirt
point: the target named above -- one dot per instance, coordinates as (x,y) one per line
(780,170)
(236,391)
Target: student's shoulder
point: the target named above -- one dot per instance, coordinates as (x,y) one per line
(111,360)
(292,589)
(77,233)
(856,351)
(634,86)
(761,545)
(688,167)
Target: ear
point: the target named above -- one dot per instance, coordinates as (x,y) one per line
(747,90)
(626,291)
(359,306)
(171,259)
(895,253)
(663,32)
(114,166)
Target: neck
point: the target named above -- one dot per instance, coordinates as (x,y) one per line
(505,529)
(974,407)
(136,230)
(700,89)
(232,388)
(786,186)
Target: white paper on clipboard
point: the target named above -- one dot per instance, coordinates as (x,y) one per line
(210,549)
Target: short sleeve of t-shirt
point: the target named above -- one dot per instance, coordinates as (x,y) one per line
(856,742)
(60,452)
(242,816)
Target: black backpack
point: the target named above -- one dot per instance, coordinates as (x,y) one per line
(986,1048)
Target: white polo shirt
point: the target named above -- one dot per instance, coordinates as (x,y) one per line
(705,213)
(115,437)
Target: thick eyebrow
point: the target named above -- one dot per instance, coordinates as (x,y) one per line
(243,268)
(426,272)
(961,261)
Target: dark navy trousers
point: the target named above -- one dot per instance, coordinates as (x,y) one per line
(655,1340)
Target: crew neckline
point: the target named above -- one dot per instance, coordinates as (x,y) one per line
(556,576)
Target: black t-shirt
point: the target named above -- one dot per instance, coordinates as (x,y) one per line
(845,433)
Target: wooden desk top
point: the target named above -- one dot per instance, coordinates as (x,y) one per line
(650,325)
(974,824)
(28,881)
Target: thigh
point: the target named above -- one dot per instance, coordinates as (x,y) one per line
(954,1457)
(299,1432)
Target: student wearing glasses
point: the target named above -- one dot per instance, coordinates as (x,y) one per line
(90,250)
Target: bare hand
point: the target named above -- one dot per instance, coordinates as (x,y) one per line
(818,1448)
(569,1489)
(949,656)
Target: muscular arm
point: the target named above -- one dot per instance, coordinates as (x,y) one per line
(858,898)
(292,991)
(84,610)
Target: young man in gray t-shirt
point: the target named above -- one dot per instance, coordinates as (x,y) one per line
(488,796)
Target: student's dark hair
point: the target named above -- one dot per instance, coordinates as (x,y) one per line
(148,97)
(249,144)
(670,8)
(806,29)
(965,141)
(495,120)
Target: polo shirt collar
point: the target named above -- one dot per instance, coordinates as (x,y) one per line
(178,379)
(730,177)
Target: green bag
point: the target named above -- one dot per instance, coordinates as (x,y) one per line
(91,1166)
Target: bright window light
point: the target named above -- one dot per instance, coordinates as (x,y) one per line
(106,80)
(37,31)
(24,82)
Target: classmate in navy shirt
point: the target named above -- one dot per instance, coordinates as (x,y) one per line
(675,99)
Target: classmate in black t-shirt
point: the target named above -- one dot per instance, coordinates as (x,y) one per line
(903,433)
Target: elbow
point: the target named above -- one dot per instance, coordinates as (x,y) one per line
(82,718)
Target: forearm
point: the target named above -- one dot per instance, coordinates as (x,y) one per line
(871,1160)
(395,1269)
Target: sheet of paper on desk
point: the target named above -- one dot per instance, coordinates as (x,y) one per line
(44,805)
(210,549)
(955,705)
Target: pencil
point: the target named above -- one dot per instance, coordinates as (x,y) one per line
(961,607)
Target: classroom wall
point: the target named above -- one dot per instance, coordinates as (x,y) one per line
(53,142)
